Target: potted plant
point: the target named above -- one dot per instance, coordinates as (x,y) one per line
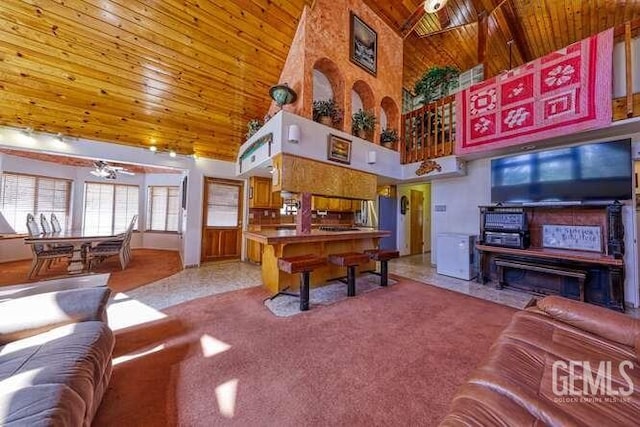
(362,122)
(436,82)
(388,137)
(253,126)
(326,111)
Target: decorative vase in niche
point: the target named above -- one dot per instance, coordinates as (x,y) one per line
(326,120)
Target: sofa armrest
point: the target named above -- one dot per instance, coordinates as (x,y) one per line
(600,321)
(28,316)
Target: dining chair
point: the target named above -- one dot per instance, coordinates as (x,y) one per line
(120,247)
(41,253)
(46,228)
(55,224)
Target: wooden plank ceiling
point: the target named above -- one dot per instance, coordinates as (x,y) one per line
(532,28)
(185,74)
(189,74)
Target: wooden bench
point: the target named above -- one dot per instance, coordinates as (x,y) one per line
(581,275)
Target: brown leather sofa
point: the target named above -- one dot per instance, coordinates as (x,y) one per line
(516,386)
(55,357)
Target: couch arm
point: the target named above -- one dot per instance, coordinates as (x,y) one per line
(600,321)
(28,316)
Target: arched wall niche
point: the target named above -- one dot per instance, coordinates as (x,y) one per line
(392,112)
(364,92)
(331,74)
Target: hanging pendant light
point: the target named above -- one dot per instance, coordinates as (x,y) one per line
(432,6)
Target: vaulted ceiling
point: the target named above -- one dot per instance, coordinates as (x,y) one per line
(189,74)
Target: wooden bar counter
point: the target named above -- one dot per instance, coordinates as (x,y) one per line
(286,243)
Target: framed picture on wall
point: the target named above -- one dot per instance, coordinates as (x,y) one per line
(363,45)
(339,149)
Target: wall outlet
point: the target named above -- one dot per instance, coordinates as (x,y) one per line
(273,214)
(266,213)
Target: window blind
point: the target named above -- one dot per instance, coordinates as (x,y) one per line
(24,194)
(163,208)
(108,208)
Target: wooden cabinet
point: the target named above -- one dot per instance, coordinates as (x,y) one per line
(333,204)
(254,249)
(276,200)
(261,196)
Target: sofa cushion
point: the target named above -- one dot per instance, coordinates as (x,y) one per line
(24,317)
(519,371)
(50,405)
(75,355)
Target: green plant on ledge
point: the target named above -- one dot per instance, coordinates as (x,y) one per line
(253,126)
(436,82)
(362,122)
(326,111)
(388,137)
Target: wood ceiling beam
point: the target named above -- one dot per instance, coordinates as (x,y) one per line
(516,30)
(411,22)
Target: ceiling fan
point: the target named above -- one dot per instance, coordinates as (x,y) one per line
(432,17)
(107,171)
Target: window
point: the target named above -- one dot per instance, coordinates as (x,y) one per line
(23,194)
(163,208)
(108,208)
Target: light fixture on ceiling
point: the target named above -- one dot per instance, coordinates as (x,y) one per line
(172,153)
(282,95)
(432,6)
(153,148)
(107,171)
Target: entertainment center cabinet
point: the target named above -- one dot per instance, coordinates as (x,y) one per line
(514,253)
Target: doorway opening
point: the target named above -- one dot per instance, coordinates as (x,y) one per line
(414,231)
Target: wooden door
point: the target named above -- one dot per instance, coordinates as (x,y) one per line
(416,209)
(222,220)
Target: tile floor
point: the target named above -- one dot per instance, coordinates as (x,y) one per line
(216,278)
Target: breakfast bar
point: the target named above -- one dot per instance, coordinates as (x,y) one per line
(288,243)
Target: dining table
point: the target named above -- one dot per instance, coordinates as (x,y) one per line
(77,238)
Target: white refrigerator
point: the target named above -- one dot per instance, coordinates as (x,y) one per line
(455,255)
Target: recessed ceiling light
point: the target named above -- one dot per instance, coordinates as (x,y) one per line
(153,148)
(172,153)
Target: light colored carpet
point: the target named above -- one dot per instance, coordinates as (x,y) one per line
(393,356)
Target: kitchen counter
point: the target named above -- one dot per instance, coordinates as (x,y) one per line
(285,243)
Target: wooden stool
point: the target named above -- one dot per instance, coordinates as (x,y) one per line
(350,260)
(382,255)
(304,264)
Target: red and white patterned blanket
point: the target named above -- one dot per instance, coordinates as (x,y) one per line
(564,92)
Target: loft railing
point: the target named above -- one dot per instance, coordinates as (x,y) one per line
(429,131)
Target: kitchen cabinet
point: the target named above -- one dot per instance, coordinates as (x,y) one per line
(260,192)
(261,196)
(334,204)
(254,249)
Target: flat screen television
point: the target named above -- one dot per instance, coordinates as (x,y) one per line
(583,173)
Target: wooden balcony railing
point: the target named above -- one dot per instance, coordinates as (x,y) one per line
(429,131)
